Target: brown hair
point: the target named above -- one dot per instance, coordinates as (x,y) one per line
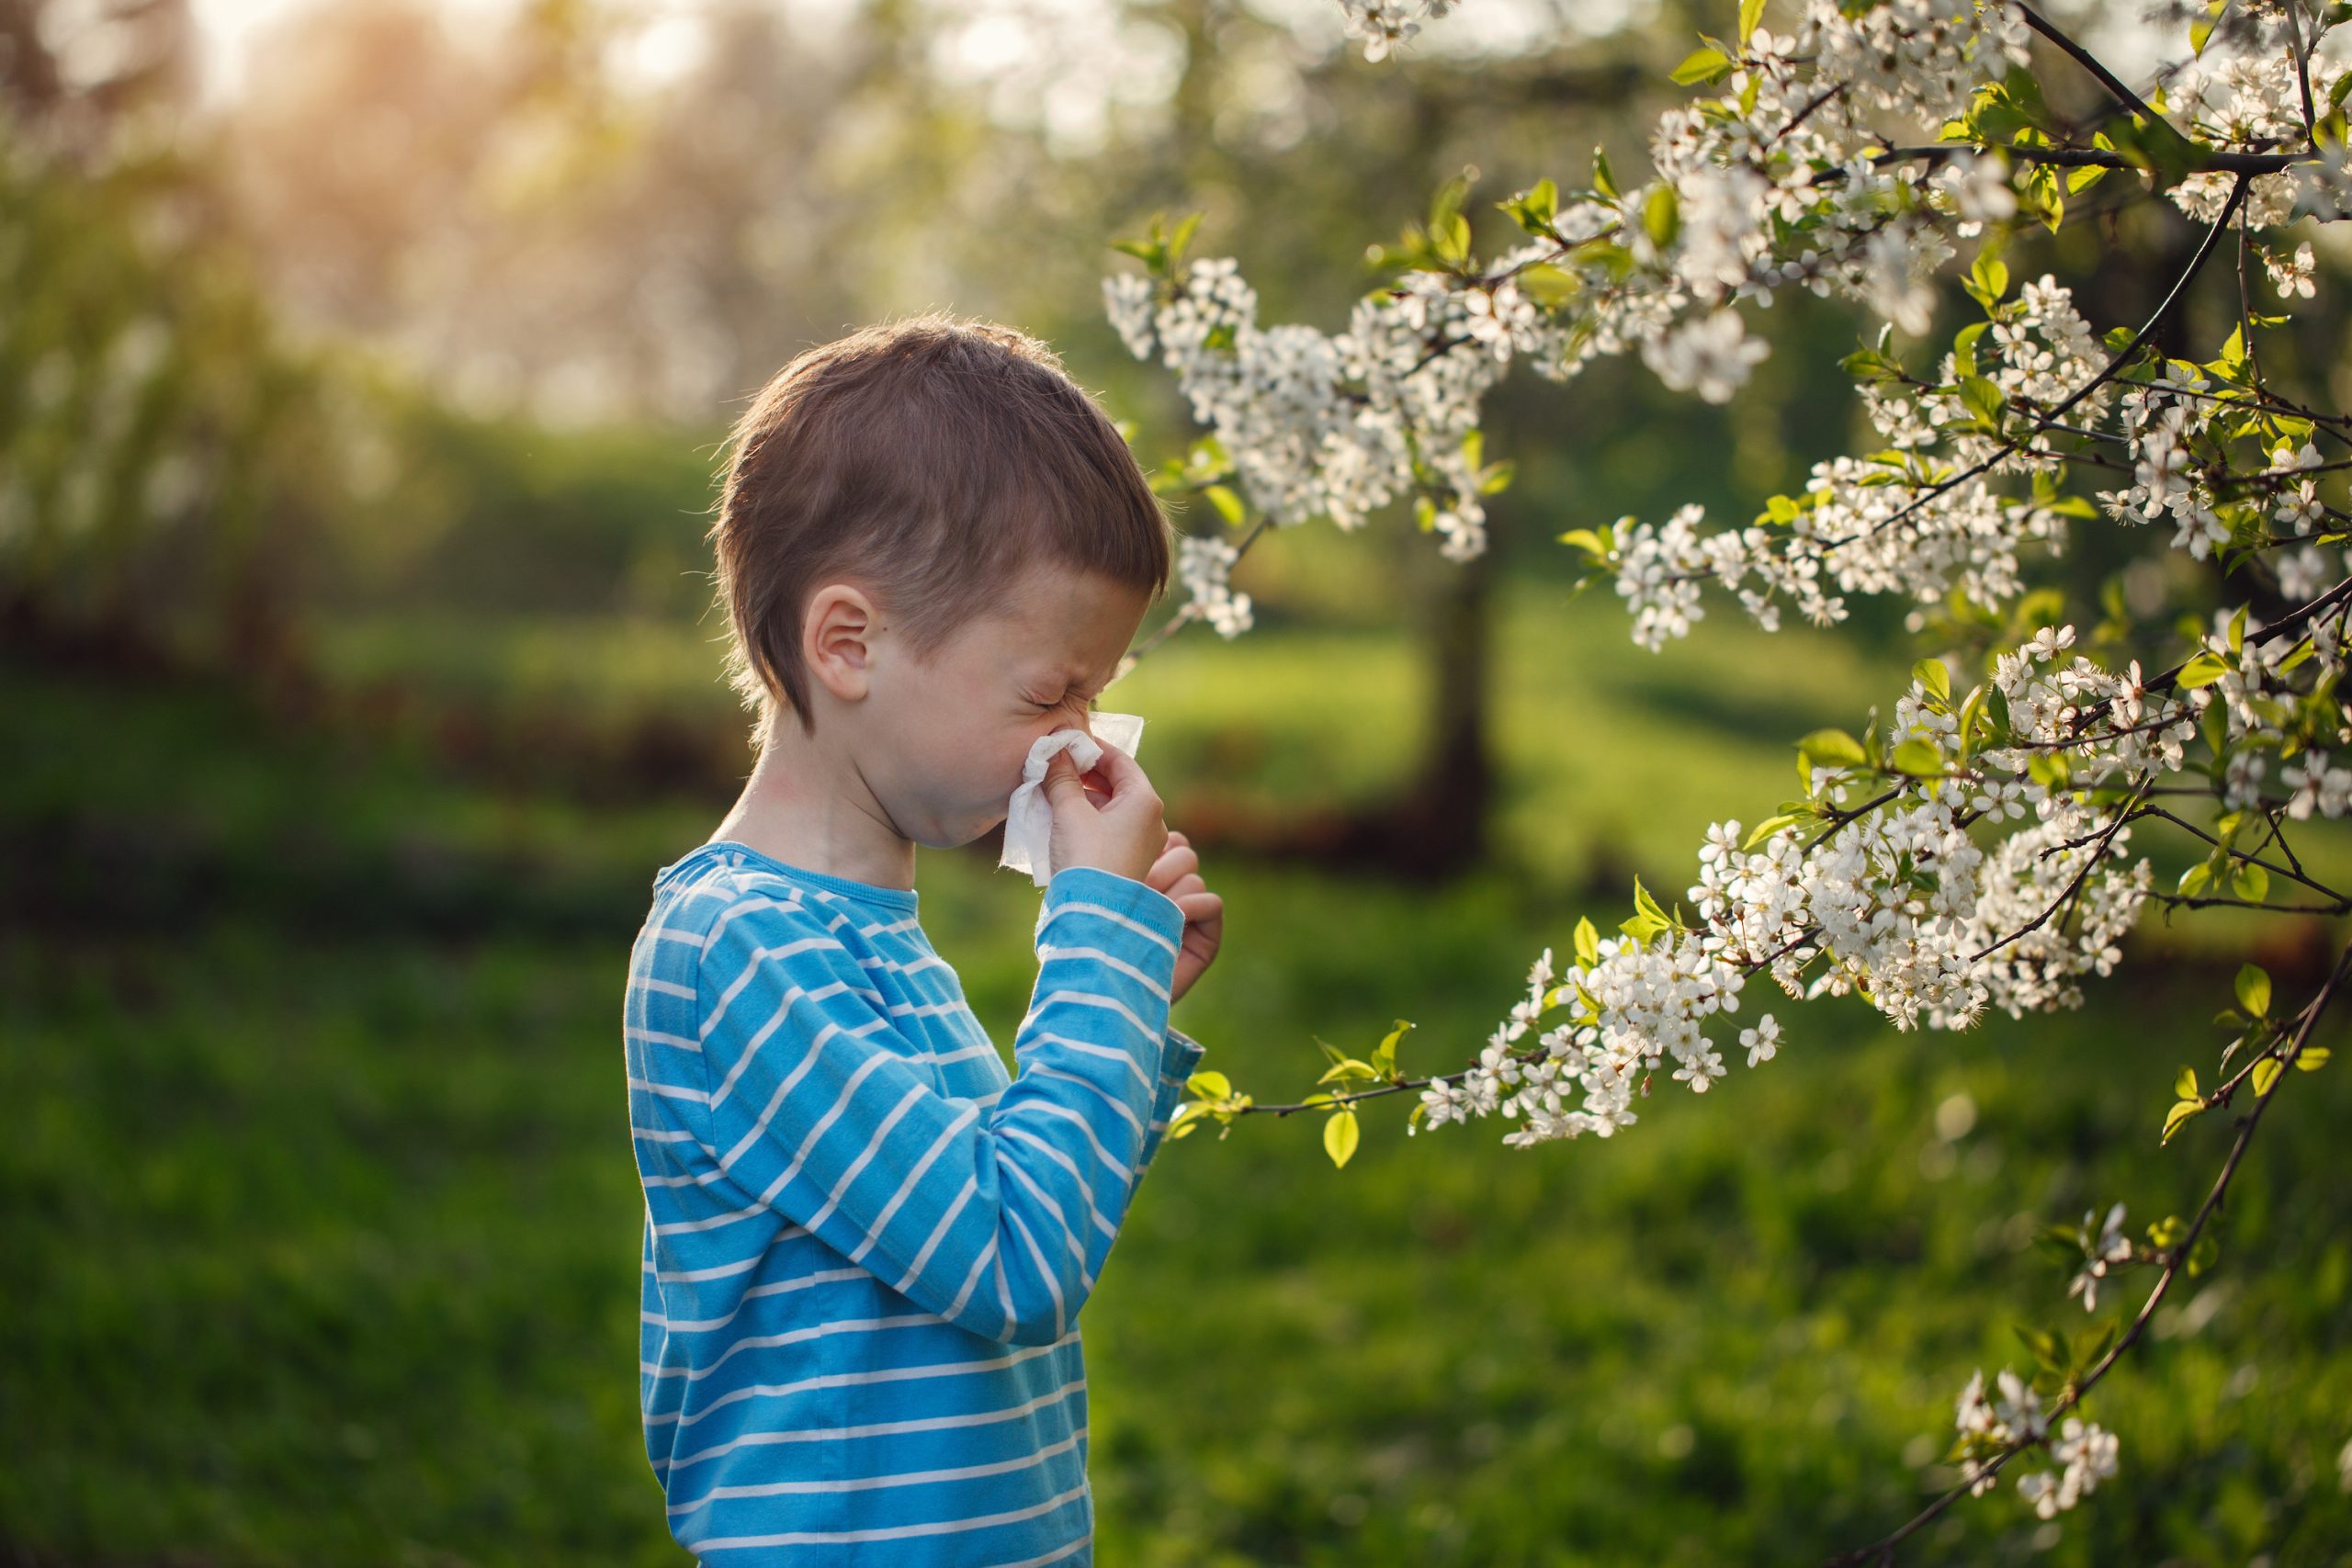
(933,458)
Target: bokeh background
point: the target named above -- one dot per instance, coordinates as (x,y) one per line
(363,370)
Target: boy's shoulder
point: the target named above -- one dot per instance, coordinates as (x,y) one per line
(716,901)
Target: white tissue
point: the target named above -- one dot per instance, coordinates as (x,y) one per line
(1029,819)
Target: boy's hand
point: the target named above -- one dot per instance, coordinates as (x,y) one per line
(1177,873)
(1122,832)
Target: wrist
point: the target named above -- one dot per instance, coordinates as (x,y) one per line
(1126,896)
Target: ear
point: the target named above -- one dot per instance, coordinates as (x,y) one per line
(837,637)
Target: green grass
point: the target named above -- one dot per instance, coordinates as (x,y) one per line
(322,1233)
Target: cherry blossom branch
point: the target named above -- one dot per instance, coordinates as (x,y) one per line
(2090,863)
(2223,160)
(2088,60)
(2114,367)
(1883,1550)
(2341,902)
(2277,628)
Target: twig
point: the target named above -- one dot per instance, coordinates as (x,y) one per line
(1883,1550)
(2089,62)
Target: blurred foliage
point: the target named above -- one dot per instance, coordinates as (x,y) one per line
(394,391)
(325,1232)
(163,456)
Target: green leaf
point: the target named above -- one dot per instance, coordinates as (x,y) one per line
(1933,674)
(1452,240)
(2202,671)
(1180,238)
(1587,942)
(1971,710)
(2253,990)
(1988,279)
(1534,208)
(1918,757)
(1831,749)
(1765,828)
(2265,1073)
(1209,1084)
(2179,1113)
(2185,1086)
(1984,399)
(1702,65)
(2312,1059)
(1228,505)
(1603,180)
(2252,882)
(1751,12)
(1340,1134)
(1661,215)
(1964,348)
(1446,203)
(1648,920)
(1548,285)
(1643,902)
(2234,352)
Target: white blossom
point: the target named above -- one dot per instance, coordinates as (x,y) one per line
(1711,354)
(1203,565)
(2111,1247)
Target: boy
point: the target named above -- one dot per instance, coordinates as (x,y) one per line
(866,1246)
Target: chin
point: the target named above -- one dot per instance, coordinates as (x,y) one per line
(971,833)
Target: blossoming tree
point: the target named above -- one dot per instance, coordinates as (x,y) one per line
(1972,854)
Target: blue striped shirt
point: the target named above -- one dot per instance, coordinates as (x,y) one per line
(866,1245)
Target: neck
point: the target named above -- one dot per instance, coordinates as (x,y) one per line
(807,806)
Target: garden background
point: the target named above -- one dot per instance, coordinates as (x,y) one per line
(363,371)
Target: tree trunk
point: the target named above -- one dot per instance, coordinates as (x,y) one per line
(1439,826)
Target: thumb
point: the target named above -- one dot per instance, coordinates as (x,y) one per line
(1062,782)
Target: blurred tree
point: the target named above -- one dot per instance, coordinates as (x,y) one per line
(520,216)
(160,457)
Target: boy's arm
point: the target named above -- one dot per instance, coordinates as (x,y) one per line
(997,1218)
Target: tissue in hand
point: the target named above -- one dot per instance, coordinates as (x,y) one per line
(1029,821)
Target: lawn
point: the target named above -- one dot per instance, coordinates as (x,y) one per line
(322,1232)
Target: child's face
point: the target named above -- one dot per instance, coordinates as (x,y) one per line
(958,727)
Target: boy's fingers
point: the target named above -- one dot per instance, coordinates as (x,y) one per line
(1201,909)
(1061,779)
(1173,864)
(1119,769)
(1189,882)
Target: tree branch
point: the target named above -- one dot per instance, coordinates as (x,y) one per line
(2089,62)
(1883,1550)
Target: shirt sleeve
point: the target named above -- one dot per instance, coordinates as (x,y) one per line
(1179,1060)
(997,1217)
